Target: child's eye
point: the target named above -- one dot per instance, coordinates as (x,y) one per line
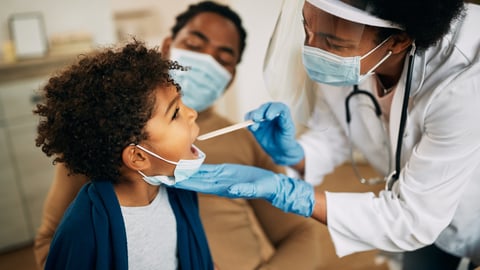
(175,113)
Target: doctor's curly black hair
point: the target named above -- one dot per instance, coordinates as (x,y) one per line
(98,106)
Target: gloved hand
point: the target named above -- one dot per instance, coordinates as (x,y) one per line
(240,181)
(275,132)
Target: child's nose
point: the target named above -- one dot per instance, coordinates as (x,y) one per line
(192,113)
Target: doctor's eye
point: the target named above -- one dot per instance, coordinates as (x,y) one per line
(335,46)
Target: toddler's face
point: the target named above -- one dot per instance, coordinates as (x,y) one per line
(171,130)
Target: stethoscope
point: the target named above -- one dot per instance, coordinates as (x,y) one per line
(395,174)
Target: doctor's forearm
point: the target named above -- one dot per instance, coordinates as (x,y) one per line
(320,208)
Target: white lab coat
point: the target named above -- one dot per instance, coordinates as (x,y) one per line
(437,197)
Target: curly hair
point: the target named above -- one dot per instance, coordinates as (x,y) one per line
(96,107)
(425,21)
(208,6)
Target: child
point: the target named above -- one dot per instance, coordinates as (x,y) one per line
(117,117)
(264,236)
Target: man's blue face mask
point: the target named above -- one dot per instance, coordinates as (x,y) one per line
(205,80)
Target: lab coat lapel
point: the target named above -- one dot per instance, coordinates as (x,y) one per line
(396,112)
(397,102)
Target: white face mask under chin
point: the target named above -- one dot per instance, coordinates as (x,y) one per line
(183,170)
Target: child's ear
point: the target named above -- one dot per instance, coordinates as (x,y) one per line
(135,159)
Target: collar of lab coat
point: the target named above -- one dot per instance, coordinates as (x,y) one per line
(396,109)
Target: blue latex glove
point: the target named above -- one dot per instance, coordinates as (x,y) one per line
(240,181)
(275,132)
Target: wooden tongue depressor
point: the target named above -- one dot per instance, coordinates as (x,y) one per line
(224,130)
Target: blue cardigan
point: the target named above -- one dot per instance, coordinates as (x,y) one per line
(92,234)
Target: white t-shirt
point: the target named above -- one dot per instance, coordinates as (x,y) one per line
(151,234)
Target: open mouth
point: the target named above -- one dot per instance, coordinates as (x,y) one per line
(194,151)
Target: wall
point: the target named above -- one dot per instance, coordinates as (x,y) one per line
(62,17)
(248,90)
(26,173)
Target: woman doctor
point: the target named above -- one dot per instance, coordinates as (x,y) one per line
(400,82)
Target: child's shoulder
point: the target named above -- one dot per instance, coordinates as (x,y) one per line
(78,215)
(92,223)
(93,200)
(76,226)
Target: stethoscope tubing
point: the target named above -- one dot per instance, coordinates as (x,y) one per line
(393,176)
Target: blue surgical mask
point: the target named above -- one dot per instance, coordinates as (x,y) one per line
(204,82)
(332,69)
(183,170)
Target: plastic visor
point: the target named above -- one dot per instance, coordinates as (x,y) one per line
(352,13)
(284,72)
(340,36)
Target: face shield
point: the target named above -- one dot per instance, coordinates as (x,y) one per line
(342,27)
(328,21)
(339,38)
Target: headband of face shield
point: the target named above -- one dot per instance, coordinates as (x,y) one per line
(205,80)
(335,31)
(354,11)
(183,170)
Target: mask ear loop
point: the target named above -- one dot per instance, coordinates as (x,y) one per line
(155,155)
(376,47)
(145,177)
(379,62)
(370,71)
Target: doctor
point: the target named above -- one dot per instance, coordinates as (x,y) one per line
(400,82)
